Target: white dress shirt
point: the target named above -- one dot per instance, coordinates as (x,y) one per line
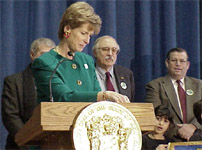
(175,84)
(101,76)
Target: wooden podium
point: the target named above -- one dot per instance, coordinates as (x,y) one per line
(52,123)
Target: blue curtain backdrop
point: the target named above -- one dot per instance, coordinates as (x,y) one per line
(145,30)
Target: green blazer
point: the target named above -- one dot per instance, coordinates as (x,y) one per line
(74,80)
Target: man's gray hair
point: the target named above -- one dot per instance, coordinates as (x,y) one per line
(97,43)
(41,41)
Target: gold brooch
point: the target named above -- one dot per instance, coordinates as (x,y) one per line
(79,82)
(74,66)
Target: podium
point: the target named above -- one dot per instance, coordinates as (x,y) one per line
(52,123)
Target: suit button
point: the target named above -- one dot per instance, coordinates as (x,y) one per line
(74,66)
(79,82)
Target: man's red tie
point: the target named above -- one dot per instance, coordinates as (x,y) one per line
(108,82)
(182,97)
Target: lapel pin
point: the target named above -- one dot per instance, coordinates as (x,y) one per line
(189,92)
(121,78)
(86,66)
(123,85)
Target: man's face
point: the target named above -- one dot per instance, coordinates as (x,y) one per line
(177,65)
(42,49)
(106,54)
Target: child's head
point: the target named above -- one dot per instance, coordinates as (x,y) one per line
(163,118)
(198,111)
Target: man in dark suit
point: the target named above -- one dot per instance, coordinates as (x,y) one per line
(19,94)
(164,91)
(105,51)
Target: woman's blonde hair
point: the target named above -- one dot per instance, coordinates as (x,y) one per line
(77,14)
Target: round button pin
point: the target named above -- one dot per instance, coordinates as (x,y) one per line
(123,85)
(189,92)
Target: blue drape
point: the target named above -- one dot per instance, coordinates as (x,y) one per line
(145,31)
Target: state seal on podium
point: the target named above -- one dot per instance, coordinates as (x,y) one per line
(106,126)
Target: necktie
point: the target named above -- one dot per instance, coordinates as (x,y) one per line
(182,97)
(108,82)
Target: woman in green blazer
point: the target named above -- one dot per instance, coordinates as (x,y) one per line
(72,73)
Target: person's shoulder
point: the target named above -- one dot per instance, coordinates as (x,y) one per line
(122,68)
(193,79)
(45,59)
(145,135)
(48,55)
(157,80)
(83,56)
(13,77)
(146,138)
(17,76)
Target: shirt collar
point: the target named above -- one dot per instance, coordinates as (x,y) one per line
(174,81)
(102,72)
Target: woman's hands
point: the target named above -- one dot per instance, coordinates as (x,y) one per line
(112,96)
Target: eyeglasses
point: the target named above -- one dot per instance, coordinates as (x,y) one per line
(108,49)
(181,61)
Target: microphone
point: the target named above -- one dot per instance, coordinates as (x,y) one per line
(71,54)
(51,77)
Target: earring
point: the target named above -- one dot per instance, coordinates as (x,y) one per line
(67,34)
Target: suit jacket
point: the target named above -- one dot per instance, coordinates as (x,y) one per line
(197,136)
(161,92)
(18,101)
(124,77)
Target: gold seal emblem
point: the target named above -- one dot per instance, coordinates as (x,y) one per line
(189,92)
(106,126)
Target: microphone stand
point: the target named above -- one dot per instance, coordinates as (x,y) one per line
(51,77)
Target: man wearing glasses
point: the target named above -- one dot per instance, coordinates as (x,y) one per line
(178,92)
(111,76)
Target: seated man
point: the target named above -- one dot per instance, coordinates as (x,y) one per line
(19,94)
(198,114)
(178,92)
(110,76)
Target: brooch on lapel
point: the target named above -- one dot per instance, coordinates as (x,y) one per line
(189,92)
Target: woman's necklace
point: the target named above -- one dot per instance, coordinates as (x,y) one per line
(56,50)
(67,56)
